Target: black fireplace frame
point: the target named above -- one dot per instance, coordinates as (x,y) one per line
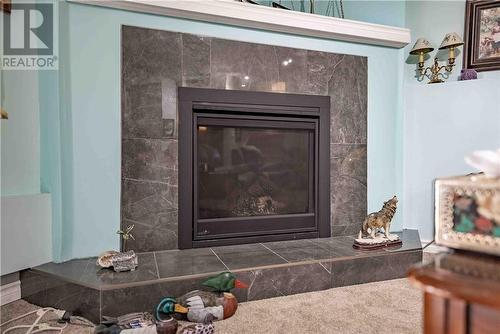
(283,110)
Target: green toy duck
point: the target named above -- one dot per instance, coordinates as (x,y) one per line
(203,306)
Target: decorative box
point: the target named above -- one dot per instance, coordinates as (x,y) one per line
(467,213)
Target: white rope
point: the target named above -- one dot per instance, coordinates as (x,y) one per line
(37,327)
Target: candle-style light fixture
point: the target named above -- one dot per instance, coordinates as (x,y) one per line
(423,46)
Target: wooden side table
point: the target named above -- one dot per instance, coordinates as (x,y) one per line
(461,294)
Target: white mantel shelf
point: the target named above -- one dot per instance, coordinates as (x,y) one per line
(267,18)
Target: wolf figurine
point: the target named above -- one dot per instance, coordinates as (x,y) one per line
(382,218)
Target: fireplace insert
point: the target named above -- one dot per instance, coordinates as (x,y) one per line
(253,167)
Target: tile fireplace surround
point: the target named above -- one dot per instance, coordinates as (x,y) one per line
(155,63)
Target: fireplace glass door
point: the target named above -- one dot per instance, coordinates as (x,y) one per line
(253,175)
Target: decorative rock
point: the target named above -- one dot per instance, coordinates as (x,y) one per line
(105,259)
(126,261)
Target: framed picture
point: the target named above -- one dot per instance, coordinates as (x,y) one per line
(6,5)
(482,35)
(467,213)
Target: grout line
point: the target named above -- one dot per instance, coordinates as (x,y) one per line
(269,249)
(150,181)
(100,304)
(328,271)
(220,259)
(156,263)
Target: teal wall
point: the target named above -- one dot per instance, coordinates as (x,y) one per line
(389,12)
(20,135)
(25,212)
(88,138)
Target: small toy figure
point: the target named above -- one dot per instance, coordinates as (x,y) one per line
(370,236)
(204,306)
(126,236)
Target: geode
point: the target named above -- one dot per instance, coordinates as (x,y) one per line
(120,261)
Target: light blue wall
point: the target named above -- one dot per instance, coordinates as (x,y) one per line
(90,117)
(20,134)
(389,12)
(443,122)
(25,212)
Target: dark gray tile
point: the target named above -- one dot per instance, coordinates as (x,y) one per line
(73,271)
(373,268)
(150,55)
(247,256)
(146,271)
(47,291)
(139,197)
(299,250)
(283,281)
(348,89)
(188,262)
(349,203)
(145,298)
(152,208)
(348,173)
(232,61)
(144,110)
(348,160)
(149,159)
(153,237)
(321,67)
(337,246)
(292,76)
(341,230)
(410,239)
(86,272)
(195,61)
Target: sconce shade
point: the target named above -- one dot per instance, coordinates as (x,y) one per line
(421,46)
(451,40)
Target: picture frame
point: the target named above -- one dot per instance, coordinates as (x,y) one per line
(6,6)
(482,35)
(467,214)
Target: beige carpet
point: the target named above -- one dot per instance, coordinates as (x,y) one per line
(389,306)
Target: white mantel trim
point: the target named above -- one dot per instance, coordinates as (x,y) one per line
(262,17)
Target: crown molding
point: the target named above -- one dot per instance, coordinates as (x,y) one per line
(267,18)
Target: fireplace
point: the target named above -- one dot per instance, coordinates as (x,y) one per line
(253,167)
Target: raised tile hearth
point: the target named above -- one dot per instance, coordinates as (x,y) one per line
(271,269)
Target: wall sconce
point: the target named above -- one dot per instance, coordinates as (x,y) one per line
(423,46)
(4,114)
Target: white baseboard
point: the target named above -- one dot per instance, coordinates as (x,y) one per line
(10,292)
